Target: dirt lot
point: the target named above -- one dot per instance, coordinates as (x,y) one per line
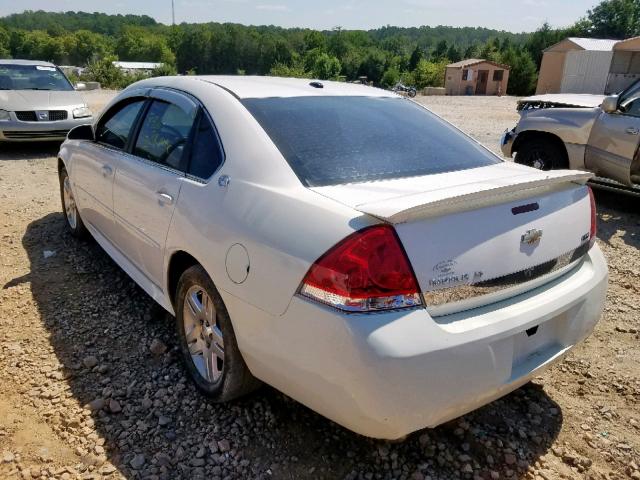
(82,394)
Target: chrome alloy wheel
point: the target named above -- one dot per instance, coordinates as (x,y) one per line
(203,334)
(70,208)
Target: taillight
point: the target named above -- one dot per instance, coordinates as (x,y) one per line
(593,231)
(367,271)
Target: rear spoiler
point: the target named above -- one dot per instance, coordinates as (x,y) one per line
(468,196)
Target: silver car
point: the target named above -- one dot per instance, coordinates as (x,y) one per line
(581,132)
(38,102)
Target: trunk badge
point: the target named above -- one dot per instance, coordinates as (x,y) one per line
(531,237)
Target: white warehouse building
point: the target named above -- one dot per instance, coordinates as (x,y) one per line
(589,65)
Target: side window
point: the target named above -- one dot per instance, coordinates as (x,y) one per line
(629,102)
(115,128)
(206,155)
(163,135)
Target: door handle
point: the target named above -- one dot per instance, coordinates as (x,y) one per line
(165,198)
(106,171)
(632,131)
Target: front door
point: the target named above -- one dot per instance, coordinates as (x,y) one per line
(612,150)
(481,84)
(95,164)
(148,182)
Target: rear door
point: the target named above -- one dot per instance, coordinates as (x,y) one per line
(148,181)
(614,140)
(95,164)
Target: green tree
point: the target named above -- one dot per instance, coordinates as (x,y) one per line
(4,43)
(373,65)
(282,70)
(615,19)
(453,54)
(326,67)
(429,74)
(83,46)
(415,58)
(136,44)
(440,51)
(104,71)
(523,74)
(390,77)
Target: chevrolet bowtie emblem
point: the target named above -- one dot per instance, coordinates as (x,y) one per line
(531,236)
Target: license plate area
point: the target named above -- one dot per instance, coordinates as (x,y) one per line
(537,343)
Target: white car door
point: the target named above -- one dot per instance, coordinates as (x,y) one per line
(95,164)
(148,180)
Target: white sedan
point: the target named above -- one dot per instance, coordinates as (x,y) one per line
(338,242)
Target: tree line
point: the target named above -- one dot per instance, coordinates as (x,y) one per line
(416,56)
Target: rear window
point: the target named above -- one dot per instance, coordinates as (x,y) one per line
(337,140)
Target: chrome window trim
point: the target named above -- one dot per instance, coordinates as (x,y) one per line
(223,159)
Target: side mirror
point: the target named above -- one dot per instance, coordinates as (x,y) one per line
(81,132)
(610,104)
(80,87)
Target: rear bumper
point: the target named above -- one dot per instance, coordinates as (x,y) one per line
(506,142)
(17,131)
(387,375)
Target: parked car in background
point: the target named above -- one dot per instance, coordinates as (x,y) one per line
(339,242)
(584,132)
(38,102)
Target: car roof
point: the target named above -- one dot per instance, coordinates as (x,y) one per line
(271,87)
(12,61)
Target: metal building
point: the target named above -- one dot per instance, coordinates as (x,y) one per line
(576,65)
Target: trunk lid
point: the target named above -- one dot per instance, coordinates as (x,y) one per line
(480,235)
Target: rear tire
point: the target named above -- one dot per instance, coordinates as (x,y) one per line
(541,153)
(70,208)
(207,339)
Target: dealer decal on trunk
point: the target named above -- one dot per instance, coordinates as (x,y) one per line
(446,275)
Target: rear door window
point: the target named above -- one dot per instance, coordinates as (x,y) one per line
(115,127)
(164,134)
(206,154)
(337,140)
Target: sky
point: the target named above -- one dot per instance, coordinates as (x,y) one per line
(510,15)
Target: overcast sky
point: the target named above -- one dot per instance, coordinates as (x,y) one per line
(511,15)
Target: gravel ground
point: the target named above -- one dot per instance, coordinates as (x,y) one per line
(91,385)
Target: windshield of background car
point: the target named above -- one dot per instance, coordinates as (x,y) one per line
(337,140)
(32,77)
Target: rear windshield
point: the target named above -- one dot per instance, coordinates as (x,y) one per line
(32,77)
(336,140)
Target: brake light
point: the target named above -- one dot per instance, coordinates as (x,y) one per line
(367,271)
(593,231)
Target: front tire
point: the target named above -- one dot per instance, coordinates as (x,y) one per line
(542,154)
(207,339)
(70,208)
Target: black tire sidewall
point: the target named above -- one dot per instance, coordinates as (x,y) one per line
(554,155)
(235,379)
(79,231)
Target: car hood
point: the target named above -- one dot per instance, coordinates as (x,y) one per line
(562,100)
(18,100)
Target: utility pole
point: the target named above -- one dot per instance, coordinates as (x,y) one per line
(173,13)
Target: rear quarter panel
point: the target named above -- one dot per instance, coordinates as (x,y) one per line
(283,226)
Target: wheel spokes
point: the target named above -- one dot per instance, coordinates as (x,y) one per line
(203,335)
